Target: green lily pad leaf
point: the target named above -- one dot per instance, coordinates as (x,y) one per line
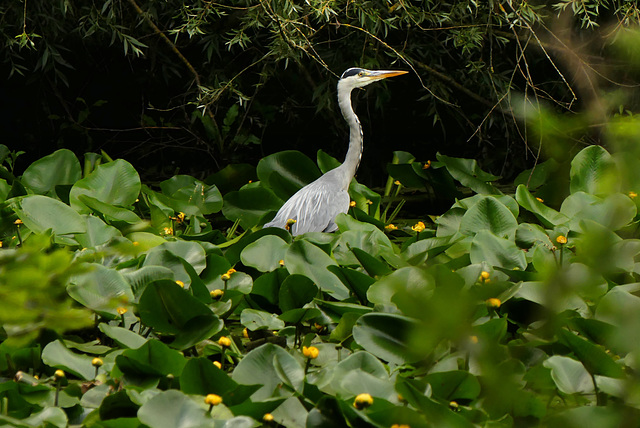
(200,376)
(264,254)
(295,292)
(286,172)
(115,183)
(365,236)
(154,358)
(100,289)
(335,310)
(232,177)
(306,259)
(192,252)
(453,385)
(49,416)
(173,409)
(358,381)
(373,266)
(386,336)
(548,216)
(356,281)
(587,416)
(296,316)
(289,371)
(191,196)
(594,359)
(250,204)
(420,251)
(488,214)
(97,232)
(594,171)
(614,211)
(168,308)
(142,277)
(569,375)
(409,277)
(117,408)
(55,354)
(254,320)
(57,169)
(436,413)
(163,258)
(496,251)
(145,240)
(122,336)
(538,292)
(363,361)
(41,213)
(469,174)
(109,212)
(257,368)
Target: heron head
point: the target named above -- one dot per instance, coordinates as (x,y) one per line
(359,77)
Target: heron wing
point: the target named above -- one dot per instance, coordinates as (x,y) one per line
(314,207)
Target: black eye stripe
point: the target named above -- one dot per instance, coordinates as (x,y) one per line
(351,72)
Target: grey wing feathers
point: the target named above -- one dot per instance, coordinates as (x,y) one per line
(314,207)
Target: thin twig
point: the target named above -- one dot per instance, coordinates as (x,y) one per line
(164,37)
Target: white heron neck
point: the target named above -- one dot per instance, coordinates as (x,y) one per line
(354,153)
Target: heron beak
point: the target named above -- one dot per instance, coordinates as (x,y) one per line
(383,74)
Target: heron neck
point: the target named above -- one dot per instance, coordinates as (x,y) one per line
(354,153)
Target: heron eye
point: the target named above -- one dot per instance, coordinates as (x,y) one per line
(361,73)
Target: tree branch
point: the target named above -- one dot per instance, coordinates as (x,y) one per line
(169,43)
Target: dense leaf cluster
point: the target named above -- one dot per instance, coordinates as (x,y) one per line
(124,304)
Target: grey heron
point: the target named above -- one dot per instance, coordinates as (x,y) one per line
(315,207)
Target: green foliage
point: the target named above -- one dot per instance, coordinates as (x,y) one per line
(237,64)
(125,304)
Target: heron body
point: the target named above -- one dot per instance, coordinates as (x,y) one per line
(315,207)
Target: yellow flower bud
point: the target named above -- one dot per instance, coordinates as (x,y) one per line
(180,283)
(290,223)
(633,195)
(217,364)
(418,227)
(18,222)
(281,263)
(59,374)
(225,277)
(484,276)
(231,271)
(427,165)
(224,341)
(216,294)
(268,417)
(362,401)
(391,226)
(213,399)
(473,339)
(245,333)
(121,310)
(352,204)
(453,405)
(97,362)
(311,352)
(493,302)
(561,239)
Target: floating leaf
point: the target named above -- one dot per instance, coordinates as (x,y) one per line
(57,169)
(173,409)
(386,336)
(115,183)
